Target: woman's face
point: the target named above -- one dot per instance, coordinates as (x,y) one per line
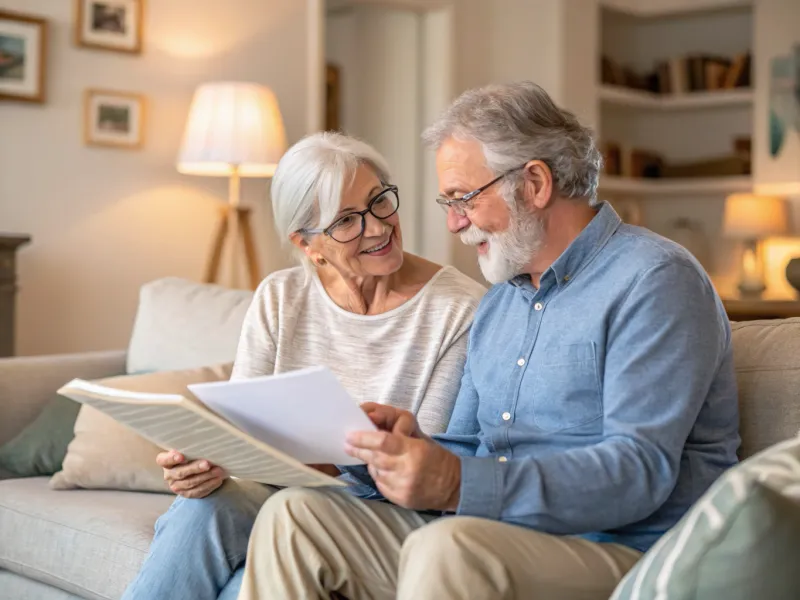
(379,250)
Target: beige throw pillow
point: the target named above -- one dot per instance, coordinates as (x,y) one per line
(107,455)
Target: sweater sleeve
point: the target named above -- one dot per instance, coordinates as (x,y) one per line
(255,355)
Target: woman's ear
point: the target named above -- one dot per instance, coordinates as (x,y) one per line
(299,241)
(538,183)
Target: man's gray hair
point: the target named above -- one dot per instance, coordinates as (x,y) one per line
(518,122)
(309,180)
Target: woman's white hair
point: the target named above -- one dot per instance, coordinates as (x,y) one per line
(309,180)
(518,122)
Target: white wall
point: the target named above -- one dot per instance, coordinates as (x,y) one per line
(106,221)
(378,51)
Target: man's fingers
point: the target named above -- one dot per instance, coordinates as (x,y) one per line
(381,415)
(406,425)
(196,481)
(169,459)
(381,441)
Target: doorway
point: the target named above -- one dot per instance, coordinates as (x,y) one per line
(390,71)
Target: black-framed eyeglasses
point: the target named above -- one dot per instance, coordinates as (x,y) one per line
(463,204)
(351,226)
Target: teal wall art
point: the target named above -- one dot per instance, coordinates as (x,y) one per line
(784,99)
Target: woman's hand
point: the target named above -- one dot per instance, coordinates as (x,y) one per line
(193,479)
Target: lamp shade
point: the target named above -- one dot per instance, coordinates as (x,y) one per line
(754,216)
(232,126)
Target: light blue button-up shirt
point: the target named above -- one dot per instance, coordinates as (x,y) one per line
(604,403)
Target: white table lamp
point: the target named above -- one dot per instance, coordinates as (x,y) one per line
(751,218)
(233,130)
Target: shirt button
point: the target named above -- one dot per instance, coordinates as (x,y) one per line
(506,416)
(538,306)
(503,459)
(521,362)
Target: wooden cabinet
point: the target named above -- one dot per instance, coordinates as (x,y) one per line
(8,289)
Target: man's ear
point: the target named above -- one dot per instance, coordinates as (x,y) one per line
(538,185)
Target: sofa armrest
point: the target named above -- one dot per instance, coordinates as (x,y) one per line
(27,383)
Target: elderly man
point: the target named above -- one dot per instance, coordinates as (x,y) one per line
(598,400)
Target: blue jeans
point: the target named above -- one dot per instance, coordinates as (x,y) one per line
(200,545)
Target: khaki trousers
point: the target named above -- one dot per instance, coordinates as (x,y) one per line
(309,543)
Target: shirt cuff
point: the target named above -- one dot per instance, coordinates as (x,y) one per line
(481,488)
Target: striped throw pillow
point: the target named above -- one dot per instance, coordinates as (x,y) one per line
(740,541)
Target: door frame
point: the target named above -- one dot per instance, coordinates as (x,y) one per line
(438,71)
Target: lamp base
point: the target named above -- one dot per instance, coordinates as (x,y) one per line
(751,288)
(241,215)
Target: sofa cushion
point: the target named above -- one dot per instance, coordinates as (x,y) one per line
(39,449)
(182,324)
(740,541)
(89,543)
(20,587)
(767,357)
(108,455)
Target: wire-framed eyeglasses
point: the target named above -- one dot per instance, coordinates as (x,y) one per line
(464,203)
(351,226)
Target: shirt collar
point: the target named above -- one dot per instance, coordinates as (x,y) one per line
(582,249)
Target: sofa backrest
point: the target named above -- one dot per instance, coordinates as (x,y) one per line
(767,357)
(182,324)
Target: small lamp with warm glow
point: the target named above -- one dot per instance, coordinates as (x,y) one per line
(751,218)
(233,130)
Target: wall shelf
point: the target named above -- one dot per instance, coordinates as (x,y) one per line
(669,8)
(707,186)
(629,98)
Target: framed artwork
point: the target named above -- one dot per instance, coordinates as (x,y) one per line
(332,97)
(114,119)
(109,24)
(23,46)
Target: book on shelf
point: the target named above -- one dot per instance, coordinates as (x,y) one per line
(264,429)
(683,74)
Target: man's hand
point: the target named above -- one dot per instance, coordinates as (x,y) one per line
(409,468)
(389,418)
(195,479)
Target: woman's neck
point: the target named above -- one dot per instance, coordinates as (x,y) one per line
(373,295)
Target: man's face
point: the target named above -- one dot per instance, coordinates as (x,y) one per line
(505,234)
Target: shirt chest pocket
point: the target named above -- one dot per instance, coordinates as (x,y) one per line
(564,387)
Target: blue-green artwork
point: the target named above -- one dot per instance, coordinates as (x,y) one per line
(784,99)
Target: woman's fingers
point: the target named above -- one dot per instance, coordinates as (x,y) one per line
(203,490)
(189,469)
(169,459)
(196,481)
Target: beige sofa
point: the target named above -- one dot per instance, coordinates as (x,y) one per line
(89,544)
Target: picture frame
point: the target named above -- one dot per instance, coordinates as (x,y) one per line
(114,119)
(23,57)
(332,97)
(114,25)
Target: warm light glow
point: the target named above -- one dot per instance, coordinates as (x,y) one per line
(749,266)
(753,217)
(232,125)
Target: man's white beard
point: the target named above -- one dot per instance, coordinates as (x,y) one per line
(508,252)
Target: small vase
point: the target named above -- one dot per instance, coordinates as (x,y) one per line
(793,273)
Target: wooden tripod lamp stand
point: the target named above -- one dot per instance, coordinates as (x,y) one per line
(234,130)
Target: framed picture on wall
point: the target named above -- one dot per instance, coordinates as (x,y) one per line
(109,24)
(23,40)
(332,97)
(114,119)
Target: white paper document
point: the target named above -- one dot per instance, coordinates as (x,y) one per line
(305,414)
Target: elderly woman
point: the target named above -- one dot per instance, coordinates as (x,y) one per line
(391,326)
